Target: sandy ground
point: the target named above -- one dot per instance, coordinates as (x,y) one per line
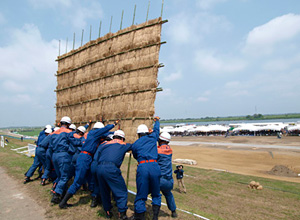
(229,154)
(15,203)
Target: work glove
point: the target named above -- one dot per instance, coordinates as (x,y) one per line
(116,122)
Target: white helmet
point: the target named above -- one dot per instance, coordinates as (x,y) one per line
(119,133)
(72,126)
(66,119)
(142,129)
(56,128)
(82,129)
(165,136)
(48,126)
(98,125)
(48,131)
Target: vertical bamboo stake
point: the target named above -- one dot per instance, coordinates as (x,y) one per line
(100,29)
(90,32)
(74,41)
(128,169)
(59,48)
(162,8)
(134,15)
(82,37)
(121,20)
(148,10)
(66,45)
(110,24)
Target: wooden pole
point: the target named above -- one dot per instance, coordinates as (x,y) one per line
(134,15)
(148,10)
(162,8)
(82,37)
(100,29)
(121,20)
(110,24)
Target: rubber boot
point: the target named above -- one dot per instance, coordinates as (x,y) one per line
(174,214)
(94,202)
(63,204)
(109,214)
(139,216)
(27,180)
(43,182)
(123,216)
(56,198)
(155,209)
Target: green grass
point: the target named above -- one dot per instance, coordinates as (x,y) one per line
(215,195)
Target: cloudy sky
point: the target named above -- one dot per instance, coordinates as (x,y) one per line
(222,57)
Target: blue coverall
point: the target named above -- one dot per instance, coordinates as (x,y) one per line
(166,181)
(148,173)
(62,155)
(110,157)
(48,166)
(36,161)
(85,158)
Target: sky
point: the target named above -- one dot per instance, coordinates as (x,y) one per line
(222,57)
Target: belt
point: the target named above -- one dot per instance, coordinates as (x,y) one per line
(147,161)
(85,152)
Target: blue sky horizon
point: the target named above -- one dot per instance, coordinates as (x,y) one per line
(222,57)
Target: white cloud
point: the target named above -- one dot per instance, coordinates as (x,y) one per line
(210,62)
(191,28)
(262,39)
(27,63)
(202,99)
(208,4)
(75,12)
(173,77)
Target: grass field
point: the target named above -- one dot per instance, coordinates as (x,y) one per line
(213,194)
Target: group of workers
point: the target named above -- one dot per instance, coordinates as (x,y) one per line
(94,158)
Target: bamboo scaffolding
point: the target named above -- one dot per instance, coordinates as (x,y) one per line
(111,75)
(110,96)
(99,41)
(108,57)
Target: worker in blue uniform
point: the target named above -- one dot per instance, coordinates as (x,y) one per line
(164,161)
(85,158)
(80,135)
(96,198)
(110,156)
(148,172)
(60,143)
(36,162)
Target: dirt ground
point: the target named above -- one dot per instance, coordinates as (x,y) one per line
(254,161)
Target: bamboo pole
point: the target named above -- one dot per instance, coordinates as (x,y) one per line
(162,8)
(82,37)
(128,169)
(100,29)
(148,11)
(74,41)
(121,20)
(67,45)
(59,48)
(110,24)
(133,14)
(90,32)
